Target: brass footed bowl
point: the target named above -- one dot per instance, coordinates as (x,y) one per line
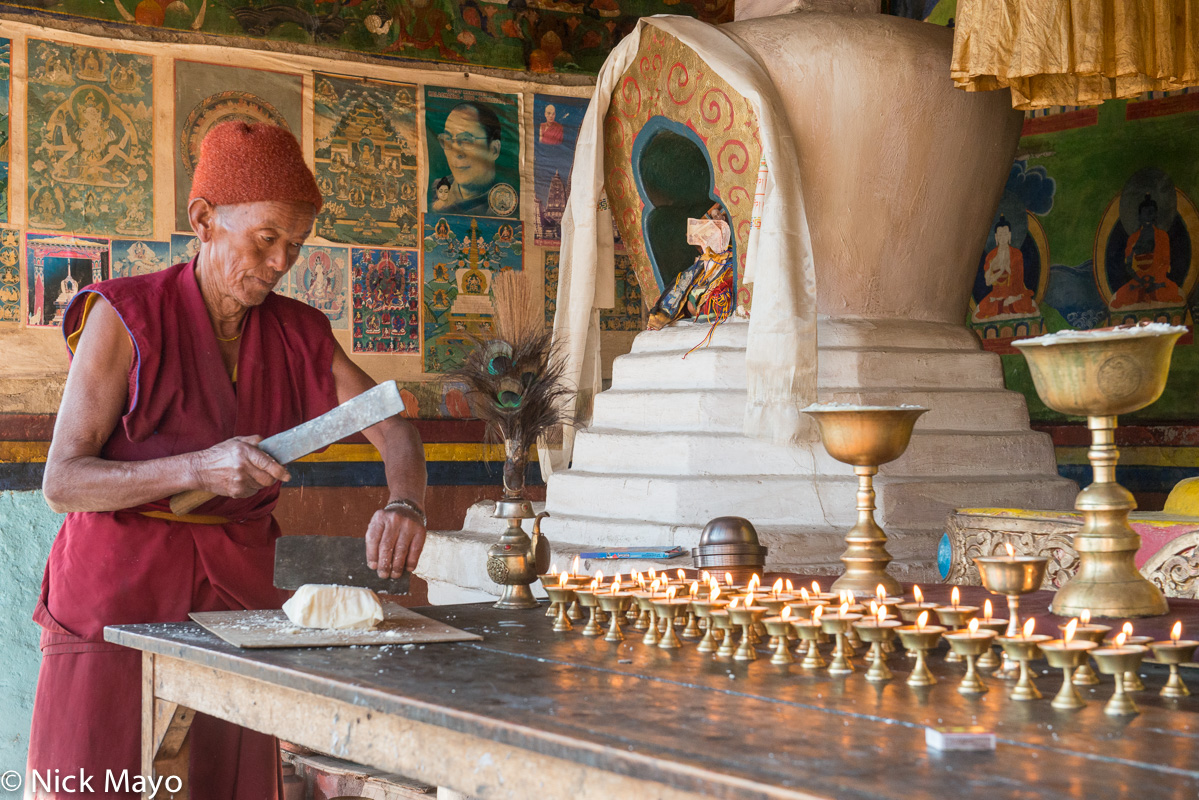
(865,436)
(1101,375)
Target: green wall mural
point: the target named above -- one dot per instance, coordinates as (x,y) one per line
(91,144)
(538,35)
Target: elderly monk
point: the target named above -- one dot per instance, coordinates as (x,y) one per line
(174,378)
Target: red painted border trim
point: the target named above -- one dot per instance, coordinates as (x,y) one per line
(1176,434)
(39,427)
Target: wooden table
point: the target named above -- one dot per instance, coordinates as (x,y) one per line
(528,713)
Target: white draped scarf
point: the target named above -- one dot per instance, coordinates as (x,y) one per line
(781,345)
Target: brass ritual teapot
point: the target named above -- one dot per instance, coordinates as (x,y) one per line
(515,560)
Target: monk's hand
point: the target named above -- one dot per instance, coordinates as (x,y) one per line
(236,468)
(394,540)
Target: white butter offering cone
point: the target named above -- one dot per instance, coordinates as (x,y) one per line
(316,605)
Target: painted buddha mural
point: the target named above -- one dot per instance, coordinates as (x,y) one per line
(1144,253)
(1147,258)
(1003,271)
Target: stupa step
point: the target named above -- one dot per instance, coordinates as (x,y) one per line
(722,411)
(887,334)
(792,499)
(596,533)
(930,453)
(869,370)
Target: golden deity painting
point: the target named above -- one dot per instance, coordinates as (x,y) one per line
(90,140)
(1145,260)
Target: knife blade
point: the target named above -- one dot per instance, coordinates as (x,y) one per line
(371,407)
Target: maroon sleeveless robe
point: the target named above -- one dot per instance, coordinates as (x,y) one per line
(122,567)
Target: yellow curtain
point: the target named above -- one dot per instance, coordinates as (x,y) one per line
(1075,52)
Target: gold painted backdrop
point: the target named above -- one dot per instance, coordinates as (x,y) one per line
(670,80)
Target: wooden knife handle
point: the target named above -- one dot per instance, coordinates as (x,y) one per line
(189,501)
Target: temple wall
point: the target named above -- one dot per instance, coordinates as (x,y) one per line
(333,493)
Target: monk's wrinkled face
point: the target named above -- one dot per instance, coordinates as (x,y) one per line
(249,247)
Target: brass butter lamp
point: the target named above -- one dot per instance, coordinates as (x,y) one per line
(1012,576)
(865,437)
(1174,652)
(1100,375)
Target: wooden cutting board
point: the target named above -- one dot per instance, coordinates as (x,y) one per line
(272,628)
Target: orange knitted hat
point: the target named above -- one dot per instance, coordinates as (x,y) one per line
(248,163)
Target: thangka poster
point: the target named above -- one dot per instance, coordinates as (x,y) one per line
(320,278)
(184,247)
(366,161)
(386,300)
(473,142)
(5,74)
(91,146)
(556,122)
(461,255)
(10,275)
(204,97)
(139,257)
(59,266)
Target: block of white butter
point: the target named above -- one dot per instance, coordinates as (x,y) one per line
(317,605)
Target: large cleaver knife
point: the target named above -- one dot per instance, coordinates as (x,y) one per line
(352,416)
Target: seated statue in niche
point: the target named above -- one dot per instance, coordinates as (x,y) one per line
(1003,271)
(1147,257)
(705,289)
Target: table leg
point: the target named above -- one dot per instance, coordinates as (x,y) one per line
(165,744)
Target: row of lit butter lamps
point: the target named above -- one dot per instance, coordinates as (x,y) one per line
(655,605)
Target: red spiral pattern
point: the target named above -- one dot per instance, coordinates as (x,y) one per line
(733,156)
(676,82)
(627,89)
(714,106)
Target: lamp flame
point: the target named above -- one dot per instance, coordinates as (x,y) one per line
(786,612)
(574,566)
(1029,626)
(728,579)
(817,613)
(973,626)
(955,597)
(1011,551)
(670,592)
(755,581)
(562,581)
(919,595)
(1071,627)
(733,604)
(807,598)
(921,620)
(1085,616)
(715,593)
(880,593)
(988,610)
(694,589)
(844,609)
(778,587)
(595,584)
(749,599)
(816,587)
(554,569)
(705,576)
(616,584)
(1121,638)
(881,614)
(874,607)
(1127,629)
(682,576)
(1176,632)
(790,587)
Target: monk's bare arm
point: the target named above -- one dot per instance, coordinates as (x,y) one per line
(77,479)
(394,539)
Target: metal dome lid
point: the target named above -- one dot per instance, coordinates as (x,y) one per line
(729,531)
